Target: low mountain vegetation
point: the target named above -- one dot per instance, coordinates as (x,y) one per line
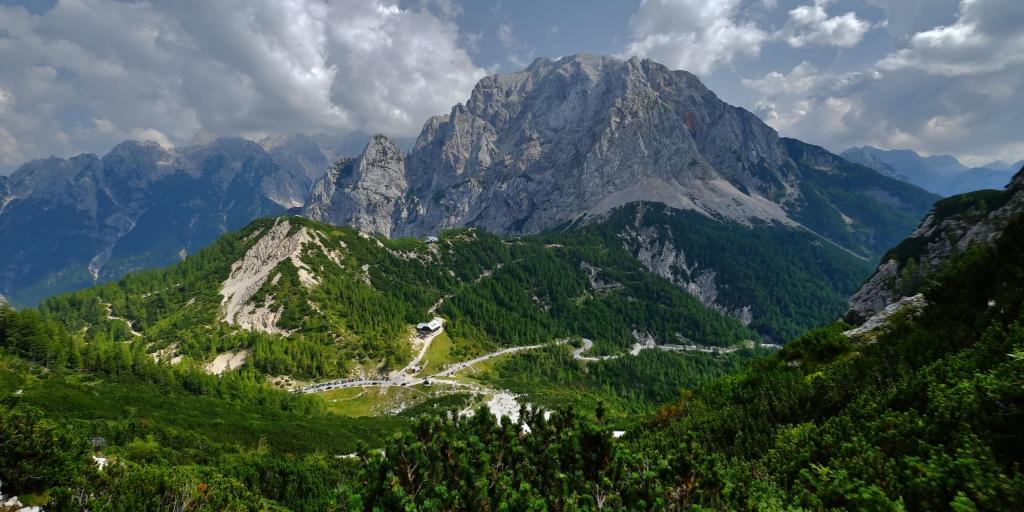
(923,414)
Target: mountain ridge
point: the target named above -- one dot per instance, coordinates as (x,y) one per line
(955,225)
(940,174)
(560,142)
(87,219)
(567,139)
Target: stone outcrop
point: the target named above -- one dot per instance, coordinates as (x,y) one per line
(282,242)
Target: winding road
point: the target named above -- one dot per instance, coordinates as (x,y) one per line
(409,375)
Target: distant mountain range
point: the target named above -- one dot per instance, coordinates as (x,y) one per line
(556,146)
(70,223)
(941,174)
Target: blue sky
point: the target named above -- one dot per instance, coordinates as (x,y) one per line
(937,76)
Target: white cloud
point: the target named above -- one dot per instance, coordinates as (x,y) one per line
(811,24)
(805,97)
(519,53)
(952,89)
(5,100)
(695,35)
(90,72)
(905,17)
(986,37)
(103,125)
(505,36)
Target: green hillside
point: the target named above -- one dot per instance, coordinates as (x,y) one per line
(369,292)
(922,413)
(789,280)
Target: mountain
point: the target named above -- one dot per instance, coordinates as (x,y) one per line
(1000,165)
(560,143)
(941,174)
(569,140)
(301,161)
(364,192)
(74,222)
(917,409)
(953,226)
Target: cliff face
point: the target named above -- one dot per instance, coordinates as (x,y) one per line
(951,227)
(577,137)
(572,139)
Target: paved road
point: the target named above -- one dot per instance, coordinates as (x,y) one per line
(409,376)
(457,367)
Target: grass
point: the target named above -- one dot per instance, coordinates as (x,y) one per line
(381,401)
(439,354)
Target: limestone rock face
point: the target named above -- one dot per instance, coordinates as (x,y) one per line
(570,140)
(950,228)
(301,162)
(579,136)
(366,193)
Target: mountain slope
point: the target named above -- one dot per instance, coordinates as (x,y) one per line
(317,302)
(953,226)
(72,223)
(922,413)
(574,138)
(777,280)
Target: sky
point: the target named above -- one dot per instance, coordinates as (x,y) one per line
(936,76)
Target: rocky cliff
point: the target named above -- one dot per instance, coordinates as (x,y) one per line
(951,227)
(574,138)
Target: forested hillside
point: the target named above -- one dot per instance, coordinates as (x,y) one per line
(347,299)
(921,414)
(781,281)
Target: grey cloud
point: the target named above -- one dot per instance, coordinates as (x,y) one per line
(91,72)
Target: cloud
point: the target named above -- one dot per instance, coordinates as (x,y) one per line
(505,36)
(986,37)
(805,97)
(810,24)
(951,89)
(519,52)
(695,35)
(87,73)
(906,17)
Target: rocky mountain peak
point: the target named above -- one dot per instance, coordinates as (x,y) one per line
(365,192)
(573,138)
(584,134)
